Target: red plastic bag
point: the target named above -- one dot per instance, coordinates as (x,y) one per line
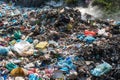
(89,33)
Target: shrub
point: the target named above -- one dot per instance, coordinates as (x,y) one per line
(71,1)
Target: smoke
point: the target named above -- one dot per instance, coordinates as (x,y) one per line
(115,16)
(92,10)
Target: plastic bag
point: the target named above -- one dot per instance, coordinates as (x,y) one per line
(101,69)
(33,77)
(14,21)
(19,78)
(42,45)
(118,23)
(25,15)
(89,39)
(66,65)
(58,75)
(19,72)
(0,14)
(12,42)
(11,66)
(17,35)
(89,33)
(24,48)
(4,50)
(53,43)
(69,26)
(17,12)
(81,36)
(30,40)
(101,31)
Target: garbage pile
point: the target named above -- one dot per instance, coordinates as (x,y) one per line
(57,44)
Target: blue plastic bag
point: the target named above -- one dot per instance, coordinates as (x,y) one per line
(5,76)
(66,64)
(30,40)
(65,69)
(117,23)
(89,39)
(32,28)
(101,69)
(1,78)
(7,8)
(0,14)
(33,77)
(81,36)
(42,30)
(11,66)
(25,15)
(14,21)
(4,51)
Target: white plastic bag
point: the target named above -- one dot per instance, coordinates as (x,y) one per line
(102,32)
(24,48)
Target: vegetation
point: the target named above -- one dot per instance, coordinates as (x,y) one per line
(71,1)
(108,6)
